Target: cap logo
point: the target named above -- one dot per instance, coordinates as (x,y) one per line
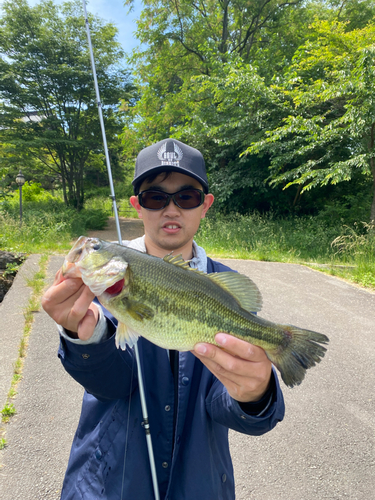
(170,157)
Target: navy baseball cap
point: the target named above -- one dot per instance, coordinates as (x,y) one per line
(169,155)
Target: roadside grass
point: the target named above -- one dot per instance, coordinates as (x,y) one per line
(37,284)
(105,203)
(335,248)
(7,412)
(48,226)
(324,242)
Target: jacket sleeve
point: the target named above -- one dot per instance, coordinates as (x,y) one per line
(103,370)
(224,410)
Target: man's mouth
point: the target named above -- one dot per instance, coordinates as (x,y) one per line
(171,227)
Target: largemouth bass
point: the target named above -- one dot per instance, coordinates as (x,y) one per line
(175,306)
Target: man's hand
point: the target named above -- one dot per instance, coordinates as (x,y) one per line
(69,303)
(242,368)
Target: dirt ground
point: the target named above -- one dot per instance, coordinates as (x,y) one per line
(130,229)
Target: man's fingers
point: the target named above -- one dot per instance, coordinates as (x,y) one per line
(81,305)
(59,293)
(243,368)
(87,324)
(235,369)
(240,348)
(59,277)
(222,361)
(67,302)
(248,386)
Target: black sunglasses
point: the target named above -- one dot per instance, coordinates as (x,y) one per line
(157,200)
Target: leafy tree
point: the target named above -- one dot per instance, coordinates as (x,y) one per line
(184,42)
(213,74)
(48,110)
(328,131)
(182,39)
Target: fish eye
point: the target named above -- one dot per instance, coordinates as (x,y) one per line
(96,246)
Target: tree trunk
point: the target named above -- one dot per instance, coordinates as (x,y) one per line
(224,37)
(298,195)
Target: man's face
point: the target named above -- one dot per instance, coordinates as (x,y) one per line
(172,228)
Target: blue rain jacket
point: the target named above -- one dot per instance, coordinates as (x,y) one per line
(109,458)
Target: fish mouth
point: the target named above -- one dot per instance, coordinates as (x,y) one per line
(79,250)
(115,289)
(83,246)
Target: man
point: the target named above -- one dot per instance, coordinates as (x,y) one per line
(193,397)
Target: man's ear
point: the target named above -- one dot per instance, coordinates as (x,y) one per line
(135,204)
(208,200)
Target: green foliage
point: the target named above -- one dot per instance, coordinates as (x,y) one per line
(11,269)
(355,241)
(48,112)
(327,132)
(33,191)
(219,75)
(182,40)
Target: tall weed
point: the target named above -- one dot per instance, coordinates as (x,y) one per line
(357,244)
(265,237)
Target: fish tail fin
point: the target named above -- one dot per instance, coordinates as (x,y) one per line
(303,350)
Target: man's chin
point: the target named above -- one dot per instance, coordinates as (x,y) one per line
(172,243)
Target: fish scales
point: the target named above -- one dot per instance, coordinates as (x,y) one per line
(176,307)
(186,297)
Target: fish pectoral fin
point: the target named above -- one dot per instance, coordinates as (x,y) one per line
(242,288)
(125,336)
(139,311)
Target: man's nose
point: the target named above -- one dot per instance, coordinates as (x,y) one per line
(172,208)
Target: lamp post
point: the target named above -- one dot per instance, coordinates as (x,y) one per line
(20,179)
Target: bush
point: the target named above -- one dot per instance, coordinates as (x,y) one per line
(33,191)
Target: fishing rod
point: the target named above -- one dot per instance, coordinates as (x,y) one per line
(113,197)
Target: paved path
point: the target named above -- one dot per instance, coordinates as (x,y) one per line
(48,405)
(130,229)
(324,449)
(13,321)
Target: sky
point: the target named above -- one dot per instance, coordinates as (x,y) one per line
(115,12)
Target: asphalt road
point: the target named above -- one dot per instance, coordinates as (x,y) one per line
(324,448)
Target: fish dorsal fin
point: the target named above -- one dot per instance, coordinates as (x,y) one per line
(178,261)
(243,289)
